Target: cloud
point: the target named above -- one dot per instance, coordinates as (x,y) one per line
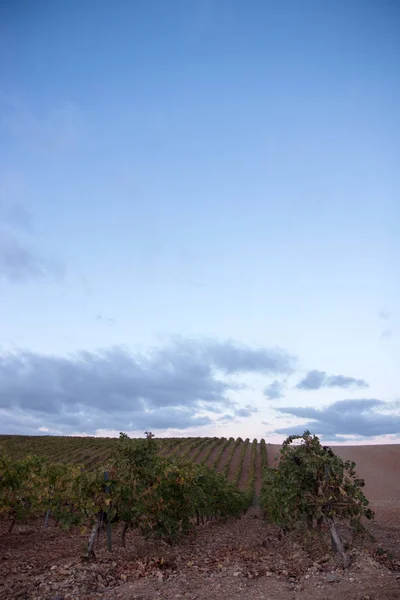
(166,387)
(366,417)
(273,391)
(225,419)
(24,422)
(102,318)
(231,357)
(247,411)
(15,215)
(315,380)
(387,332)
(19,263)
(345,382)
(54,131)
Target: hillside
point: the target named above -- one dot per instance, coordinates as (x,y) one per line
(240,558)
(238,459)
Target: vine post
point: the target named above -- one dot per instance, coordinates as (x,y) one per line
(46,519)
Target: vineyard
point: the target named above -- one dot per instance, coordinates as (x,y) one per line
(117,519)
(158,488)
(239,460)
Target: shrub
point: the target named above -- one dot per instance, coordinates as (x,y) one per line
(312,485)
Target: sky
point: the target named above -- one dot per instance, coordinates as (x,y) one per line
(200,218)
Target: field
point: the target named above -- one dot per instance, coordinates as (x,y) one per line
(241,558)
(233,457)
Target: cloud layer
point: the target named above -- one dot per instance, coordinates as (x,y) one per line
(274,391)
(388,329)
(168,387)
(18,263)
(315,380)
(366,417)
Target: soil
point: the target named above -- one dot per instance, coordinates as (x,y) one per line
(183,447)
(245,469)
(194,453)
(234,462)
(258,472)
(272,454)
(214,454)
(380,467)
(204,451)
(224,458)
(243,558)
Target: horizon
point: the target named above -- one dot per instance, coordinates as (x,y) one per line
(199,219)
(335,444)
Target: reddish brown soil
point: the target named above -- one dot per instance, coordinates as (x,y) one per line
(380,467)
(214,454)
(195,451)
(204,451)
(241,559)
(234,462)
(258,472)
(272,454)
(246,464)
(225,457)
(183,447)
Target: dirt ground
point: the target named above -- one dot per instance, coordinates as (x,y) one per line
(244,558)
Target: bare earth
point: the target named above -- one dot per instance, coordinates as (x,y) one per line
(246,466)
(258,472)
(244,558)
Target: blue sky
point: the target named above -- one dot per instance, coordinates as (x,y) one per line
(199,218)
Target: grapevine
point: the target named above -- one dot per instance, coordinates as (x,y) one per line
(232,451)
(174,447)
(251,482)
(147,492)
(199,448)
(264,455)
(211,447)
(239,467)
(188,447)
(217,459)
(311,486)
